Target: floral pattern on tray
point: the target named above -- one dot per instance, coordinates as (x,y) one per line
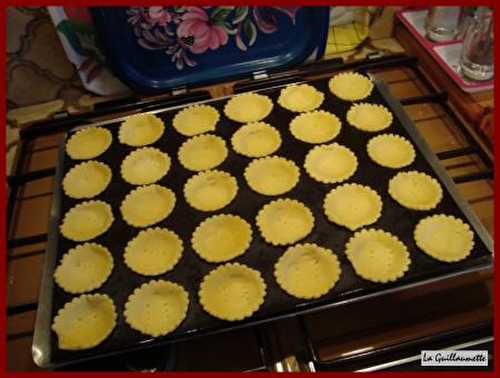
(183,32)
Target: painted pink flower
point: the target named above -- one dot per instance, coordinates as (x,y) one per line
(200,32)
(159,15)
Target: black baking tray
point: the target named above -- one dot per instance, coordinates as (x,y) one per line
(260,255)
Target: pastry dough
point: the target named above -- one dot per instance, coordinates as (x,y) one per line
(232,292)
(369,117)
(444,237)
(307,271)
(202,152)
(141,130)
(153,251)
(87,220)
(85,322)
(330,163)
(415,190)
(147,205)
(256,139)
(300,98)
(84,268)
(315,127)
(284,221)
(353,206)
(272,175)
(350,86)
(88,143)
(248,107)
(157,307)
(377,255)
(391,151)
(196,119)
(210,190)
(145,166)
(86,180)
(222,238)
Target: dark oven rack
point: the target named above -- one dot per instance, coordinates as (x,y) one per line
(18,179)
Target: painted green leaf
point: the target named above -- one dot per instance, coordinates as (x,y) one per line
(250,31)
(239,14)
(219,15)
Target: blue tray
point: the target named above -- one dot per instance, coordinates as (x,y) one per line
(153,49)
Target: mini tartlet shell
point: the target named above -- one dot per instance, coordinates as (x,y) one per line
(86,180)
(202,152)
(147,205)
(85,322)
(88,143)
(87,220)
(84,268)
(157,307)
(284,221)
(210,190)
(256,139)
(350,86)
(415,190)
(330,163)
(444,237)
(196,119)
(352,205)
(377,255)
(145,166)
(369,117)
(248,107)
(307,271)
(232,292)
(390,151)
(300,98)
(153,251)
(222,238)
(315,127)
(141,130)
(272,175)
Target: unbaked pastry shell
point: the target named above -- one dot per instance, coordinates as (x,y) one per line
(300,98)
(202,152)
(84,268)
(147,205)
(145,166)
(87,220)
(248,107)
(353,206)
(210,190)
(222,238)
(86,180)
(307,271)
(85,322)
(284,221)
(444,237)
(272,175)
(256,139)
(330,163)
(153,251)
(196,119)
(350,86)
(88,143)
(315,127)
(157,308)
(415,190)
(391,151)
(232,292)
(141,130)
(377,255)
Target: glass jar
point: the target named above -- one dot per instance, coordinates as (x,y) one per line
(442,23)
(476,61)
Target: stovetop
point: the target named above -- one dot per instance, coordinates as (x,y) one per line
(375,334)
